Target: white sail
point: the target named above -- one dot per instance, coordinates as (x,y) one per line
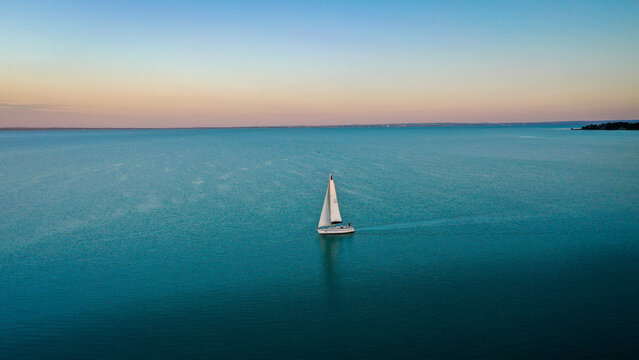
(330,214)
(325,218)
(336,218)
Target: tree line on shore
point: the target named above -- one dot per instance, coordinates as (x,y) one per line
(619,125)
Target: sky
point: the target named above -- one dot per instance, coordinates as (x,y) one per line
(274,63)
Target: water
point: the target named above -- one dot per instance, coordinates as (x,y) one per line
(491,242)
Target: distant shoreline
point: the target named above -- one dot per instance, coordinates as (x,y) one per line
(617,125)
(402,125)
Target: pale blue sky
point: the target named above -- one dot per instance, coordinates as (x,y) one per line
(154,63)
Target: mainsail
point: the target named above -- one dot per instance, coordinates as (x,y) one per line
(330,210)
(336,218)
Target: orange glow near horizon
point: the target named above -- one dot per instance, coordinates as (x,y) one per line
(356,71)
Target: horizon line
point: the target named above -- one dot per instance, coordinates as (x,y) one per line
(442,124)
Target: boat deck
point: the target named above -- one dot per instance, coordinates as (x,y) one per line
(336,230)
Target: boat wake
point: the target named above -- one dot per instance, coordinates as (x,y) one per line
(468,220)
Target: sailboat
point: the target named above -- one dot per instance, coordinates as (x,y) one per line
(330,218)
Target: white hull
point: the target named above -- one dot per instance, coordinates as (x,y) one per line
(336,230)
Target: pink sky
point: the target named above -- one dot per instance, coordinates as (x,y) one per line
(128,65)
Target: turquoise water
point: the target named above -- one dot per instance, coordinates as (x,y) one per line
(489,242)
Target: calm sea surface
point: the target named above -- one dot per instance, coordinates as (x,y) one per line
(490,242)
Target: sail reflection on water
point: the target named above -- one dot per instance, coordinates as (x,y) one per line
(330,248)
